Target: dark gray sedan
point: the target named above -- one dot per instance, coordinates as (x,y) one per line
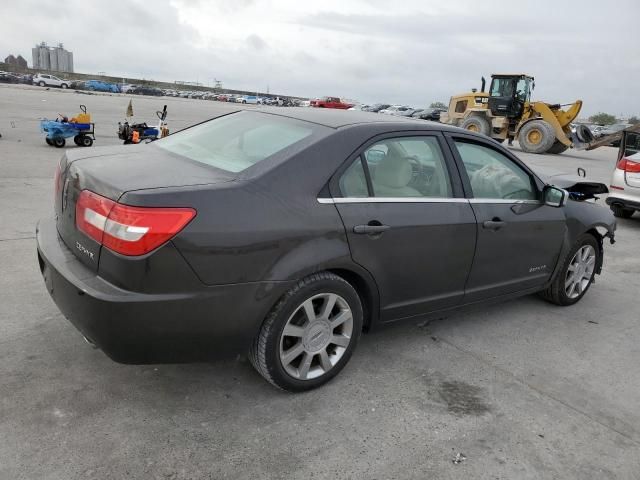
(287,234)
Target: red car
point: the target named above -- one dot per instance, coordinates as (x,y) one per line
(330,102)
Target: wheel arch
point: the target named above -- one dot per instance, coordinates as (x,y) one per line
(593,231)
(367,291)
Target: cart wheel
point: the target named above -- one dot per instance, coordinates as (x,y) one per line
(48,140)
(78,140)
(86,141)
(58,142)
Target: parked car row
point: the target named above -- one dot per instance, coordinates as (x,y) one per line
(432,114)
(234,98)
(10,77)
(48,80)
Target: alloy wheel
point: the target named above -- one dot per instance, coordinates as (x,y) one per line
(316,336)
(580,271)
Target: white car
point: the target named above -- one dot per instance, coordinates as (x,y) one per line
(624,191)
(126,87)
(46,80)
(395,110)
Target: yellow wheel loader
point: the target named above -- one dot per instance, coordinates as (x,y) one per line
(507,112)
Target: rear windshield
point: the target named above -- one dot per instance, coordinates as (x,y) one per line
(237,141)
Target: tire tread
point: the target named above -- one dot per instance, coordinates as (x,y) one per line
(258,351)
(552,293)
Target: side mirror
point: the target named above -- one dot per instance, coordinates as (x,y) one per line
(554,196)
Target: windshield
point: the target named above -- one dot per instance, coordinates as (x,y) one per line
(237,141)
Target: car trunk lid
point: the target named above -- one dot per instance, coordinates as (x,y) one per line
(113,171)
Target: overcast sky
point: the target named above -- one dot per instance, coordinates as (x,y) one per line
(412,52)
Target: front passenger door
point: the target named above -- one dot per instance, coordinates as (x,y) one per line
(519,237)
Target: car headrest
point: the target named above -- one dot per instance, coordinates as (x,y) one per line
(394,172)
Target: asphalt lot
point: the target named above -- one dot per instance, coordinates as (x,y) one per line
(524,389)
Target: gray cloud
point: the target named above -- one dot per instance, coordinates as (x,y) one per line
(371,50)
(254,41)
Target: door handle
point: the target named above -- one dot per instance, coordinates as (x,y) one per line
(494,224)
(370,229)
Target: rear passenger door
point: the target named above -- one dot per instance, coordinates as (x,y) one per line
(518,237)
(401,201)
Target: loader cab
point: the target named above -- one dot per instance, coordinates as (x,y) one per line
(508,94)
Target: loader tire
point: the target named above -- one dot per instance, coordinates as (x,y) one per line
(477,124)
(584,134)
(557,147)
(536,136)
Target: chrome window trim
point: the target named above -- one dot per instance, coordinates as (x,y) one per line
(424,200)
(503,200)
(392,200)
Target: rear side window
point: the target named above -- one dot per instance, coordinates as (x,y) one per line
(353,182)
(399,168)
(493,175)
(236,142)
(632,144)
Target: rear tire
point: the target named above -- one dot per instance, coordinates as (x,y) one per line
(557,147)
(562,291)
(477,124)
(42,84)
(63,86)
(621,212)
(309,336)
(86,141)
(536,136)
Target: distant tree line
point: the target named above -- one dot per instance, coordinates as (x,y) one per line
(608,119)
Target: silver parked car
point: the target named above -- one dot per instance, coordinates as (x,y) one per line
(46,80)
(624,197)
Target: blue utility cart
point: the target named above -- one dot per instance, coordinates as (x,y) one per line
(80,128)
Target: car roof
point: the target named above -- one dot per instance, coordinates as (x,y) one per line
(334,118)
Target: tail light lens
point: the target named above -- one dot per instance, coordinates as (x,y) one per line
(628,165)
(125,229)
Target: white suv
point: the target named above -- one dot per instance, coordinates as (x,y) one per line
(46,80)
(624,192)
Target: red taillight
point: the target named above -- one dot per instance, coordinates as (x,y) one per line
(628,165)
(125,229)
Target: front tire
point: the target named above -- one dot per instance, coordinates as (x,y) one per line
(536,136)
(576,274)
(64,86)
(310,334)
(42,84)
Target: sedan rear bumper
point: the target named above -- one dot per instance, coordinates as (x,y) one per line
(133,327)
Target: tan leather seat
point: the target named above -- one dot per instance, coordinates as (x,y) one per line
(392,176)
